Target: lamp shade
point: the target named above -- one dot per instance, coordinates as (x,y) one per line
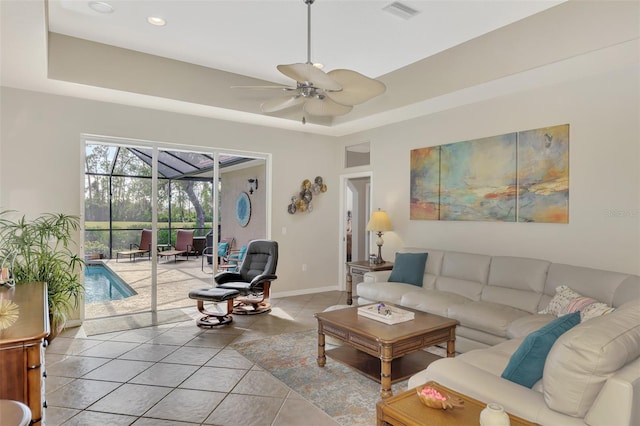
(379,222)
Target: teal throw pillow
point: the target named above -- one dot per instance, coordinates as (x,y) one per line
(527,363)
(409,268)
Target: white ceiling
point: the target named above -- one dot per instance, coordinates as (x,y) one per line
(252,37)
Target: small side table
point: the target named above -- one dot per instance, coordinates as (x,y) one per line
(358,269)
(405,409)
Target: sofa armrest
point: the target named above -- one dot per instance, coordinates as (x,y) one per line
(622,390)
(487,387)
(377,276)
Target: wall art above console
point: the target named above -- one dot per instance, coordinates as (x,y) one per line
(521,176)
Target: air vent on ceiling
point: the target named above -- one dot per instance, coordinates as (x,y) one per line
(400,10)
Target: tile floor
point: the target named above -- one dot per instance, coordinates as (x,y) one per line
(179,374)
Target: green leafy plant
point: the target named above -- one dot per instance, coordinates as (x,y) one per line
(44,250)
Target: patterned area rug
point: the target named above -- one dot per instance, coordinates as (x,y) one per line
(343,393)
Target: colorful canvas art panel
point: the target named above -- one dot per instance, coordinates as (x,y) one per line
(478,179)
(521,176)
(425,184)
(543,175)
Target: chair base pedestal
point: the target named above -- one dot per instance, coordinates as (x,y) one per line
(214,295)
(248,308)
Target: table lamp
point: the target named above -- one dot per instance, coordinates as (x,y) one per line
(379,223)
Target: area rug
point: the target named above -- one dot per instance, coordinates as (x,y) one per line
(341,392)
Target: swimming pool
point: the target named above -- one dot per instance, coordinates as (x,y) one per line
(101,284)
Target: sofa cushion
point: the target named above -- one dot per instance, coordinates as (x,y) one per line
(466,266)
(434,261)
(433,301)
(528,324)
(583,358)
(527,363)
(409,268)
(489,317)
(384,291)
(567,301)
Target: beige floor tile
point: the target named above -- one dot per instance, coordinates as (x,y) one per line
(245,410)
(80,393)
(186,405)
(261,383)
(297,411)
(109,349)
(131,399)
(145,421)
(229,358)
(71,346)
(213,379)
(148,352)
(75,366)
(52,383)
(56,416)
(175,337)
(191,355)
(211,340)
(87,418)
(142,335)
(162,374)
(118,370)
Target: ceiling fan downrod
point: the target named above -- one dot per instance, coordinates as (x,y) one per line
(309,3)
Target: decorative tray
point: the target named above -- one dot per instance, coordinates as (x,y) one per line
(385,313)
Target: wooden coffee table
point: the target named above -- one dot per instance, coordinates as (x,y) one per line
(385,353)
(405,409)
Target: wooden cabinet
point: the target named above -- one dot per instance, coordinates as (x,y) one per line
(22,348)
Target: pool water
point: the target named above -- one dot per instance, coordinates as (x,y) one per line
(101,284)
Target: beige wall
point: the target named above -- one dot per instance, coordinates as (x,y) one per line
(41,169)
(233,183)
(604,208)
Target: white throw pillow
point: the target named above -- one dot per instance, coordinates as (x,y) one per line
(567,301)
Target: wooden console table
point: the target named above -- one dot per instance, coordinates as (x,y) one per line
(22,348)
(405,409)
(358,269)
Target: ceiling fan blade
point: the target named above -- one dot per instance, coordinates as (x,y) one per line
(307,72)
(356,88)
(325,107)
(277,104)
(264,87)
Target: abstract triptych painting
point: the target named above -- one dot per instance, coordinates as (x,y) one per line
(521,176)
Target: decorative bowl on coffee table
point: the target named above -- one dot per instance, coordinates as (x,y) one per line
(433,398)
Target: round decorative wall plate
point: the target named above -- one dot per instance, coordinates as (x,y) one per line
(243,209)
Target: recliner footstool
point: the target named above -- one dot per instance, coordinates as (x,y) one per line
(214,295)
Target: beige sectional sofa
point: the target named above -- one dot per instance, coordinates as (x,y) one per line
(592,373)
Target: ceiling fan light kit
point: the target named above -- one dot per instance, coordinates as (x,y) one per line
(319,93)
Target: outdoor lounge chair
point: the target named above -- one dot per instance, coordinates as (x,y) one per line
(245,291)
(222,251)
(184,245)
(232,261)
(143,248)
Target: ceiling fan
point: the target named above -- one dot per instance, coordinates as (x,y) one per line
(322,94)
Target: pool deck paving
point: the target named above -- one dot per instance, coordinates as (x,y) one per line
(175,280)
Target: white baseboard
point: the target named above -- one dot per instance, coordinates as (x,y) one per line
(276,295)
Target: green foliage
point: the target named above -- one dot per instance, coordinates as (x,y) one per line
(44,253)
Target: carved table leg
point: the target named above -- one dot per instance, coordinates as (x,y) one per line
(349,287)
(322,358)
(451,344)
(385,372)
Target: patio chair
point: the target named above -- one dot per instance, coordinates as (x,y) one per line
(233,260)
(184,245)
(143,248)
(244,291)
(222,251)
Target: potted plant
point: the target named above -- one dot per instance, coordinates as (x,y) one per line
(44,252)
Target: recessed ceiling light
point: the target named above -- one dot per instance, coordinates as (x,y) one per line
(157,21)
(101,6)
